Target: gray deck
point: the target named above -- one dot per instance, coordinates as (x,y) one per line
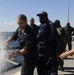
(68,68)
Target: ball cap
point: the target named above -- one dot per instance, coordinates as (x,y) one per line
(68,23)
(43,13)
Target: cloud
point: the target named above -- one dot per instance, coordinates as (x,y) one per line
(8,23)
(37,23)
(8,26)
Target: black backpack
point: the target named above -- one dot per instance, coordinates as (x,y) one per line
(54,36)
(54,44)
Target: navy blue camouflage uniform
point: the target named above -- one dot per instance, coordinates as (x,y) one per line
(45,50)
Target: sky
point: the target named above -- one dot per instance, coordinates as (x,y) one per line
(56,9)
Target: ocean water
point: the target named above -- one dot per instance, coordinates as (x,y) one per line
(5,61)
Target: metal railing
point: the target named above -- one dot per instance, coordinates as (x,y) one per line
(72,38)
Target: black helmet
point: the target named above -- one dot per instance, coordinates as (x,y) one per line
(57,22)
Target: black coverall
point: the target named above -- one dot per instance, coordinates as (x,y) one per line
(27,41)
(69,30)
(45,50)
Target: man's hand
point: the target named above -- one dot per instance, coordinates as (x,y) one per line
(13,54)
(8,40)
(21,52)
(5,42)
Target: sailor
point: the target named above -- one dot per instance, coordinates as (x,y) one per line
(47,60)
(33,25)
(69,32)
(26,37)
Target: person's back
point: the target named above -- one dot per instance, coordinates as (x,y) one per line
(60,31)
(62,39)
(62,43)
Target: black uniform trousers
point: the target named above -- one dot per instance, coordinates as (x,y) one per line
(41,66)
(28,65)
(47,68)
(27,69)
(69,43)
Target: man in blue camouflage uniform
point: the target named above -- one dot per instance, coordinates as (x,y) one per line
(47,57)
